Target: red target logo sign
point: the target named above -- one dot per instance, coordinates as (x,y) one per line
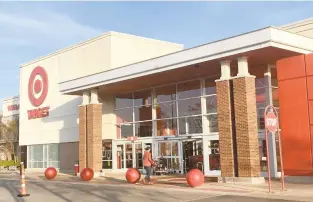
(38,86)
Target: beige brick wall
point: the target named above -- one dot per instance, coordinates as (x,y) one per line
(94,137)
(246,127)
(82,137)
(225,128)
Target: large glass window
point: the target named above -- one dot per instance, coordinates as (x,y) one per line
(166,110)
(43,156)
(142,98)
(177,107)
(189,107)
(189,89)
(124,100)
(143,129)
(165,93)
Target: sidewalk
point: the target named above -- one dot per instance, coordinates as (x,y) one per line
(297,192)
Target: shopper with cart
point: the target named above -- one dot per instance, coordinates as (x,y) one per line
(147,163)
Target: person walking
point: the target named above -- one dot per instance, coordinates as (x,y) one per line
(147,163)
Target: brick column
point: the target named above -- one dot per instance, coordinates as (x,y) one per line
(223,94)
(246,122)
(225,126)
(94,137)
(82,137)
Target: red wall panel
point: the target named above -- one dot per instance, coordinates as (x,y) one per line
(294,116)
(309,64)
(292,67)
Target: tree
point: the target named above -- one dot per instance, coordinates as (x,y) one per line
(10,135)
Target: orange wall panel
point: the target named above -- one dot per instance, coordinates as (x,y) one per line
(292,67)
(309,64)
(310,87)
(295,125)
(294,88)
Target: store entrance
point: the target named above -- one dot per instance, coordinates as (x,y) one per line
(129,154)
(193,154)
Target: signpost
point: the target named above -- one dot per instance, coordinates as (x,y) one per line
(272,126)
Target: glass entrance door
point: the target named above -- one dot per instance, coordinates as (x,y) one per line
(171,154)
(211,155)
(129,154)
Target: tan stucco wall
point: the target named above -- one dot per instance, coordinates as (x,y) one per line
(108,51)
(108,117)
(128,49)
(303,28)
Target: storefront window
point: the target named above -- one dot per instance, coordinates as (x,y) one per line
(124,100)
(143,113)
(126,130)
(43,156)
(189,107)
(142,98)
(124,115)
(166,93)
(166,127)
(106,154)
(143,129)
(166,110)
(189,89)
(211,104)
(210,87)
(190,125)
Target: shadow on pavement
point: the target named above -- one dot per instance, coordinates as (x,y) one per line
(13,188)
(239,199)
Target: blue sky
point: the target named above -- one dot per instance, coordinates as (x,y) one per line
(31,29)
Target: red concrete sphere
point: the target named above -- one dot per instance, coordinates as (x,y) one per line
(50,173)
(195,178)
(86,174)
(133,175)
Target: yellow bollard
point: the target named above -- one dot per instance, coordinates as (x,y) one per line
(23,185)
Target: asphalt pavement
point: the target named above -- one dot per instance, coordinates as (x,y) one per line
(53,191)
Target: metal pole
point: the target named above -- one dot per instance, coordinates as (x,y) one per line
(268,162)
(267,153)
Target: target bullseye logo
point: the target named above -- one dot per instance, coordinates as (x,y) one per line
(38,86)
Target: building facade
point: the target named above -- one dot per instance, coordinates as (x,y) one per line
(103,101)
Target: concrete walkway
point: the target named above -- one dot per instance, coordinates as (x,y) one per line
(294,192)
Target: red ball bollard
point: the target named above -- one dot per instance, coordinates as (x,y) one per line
(133,175)
(50,173)
(86,174)
(195,178)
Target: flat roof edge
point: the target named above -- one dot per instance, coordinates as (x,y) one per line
(93,39)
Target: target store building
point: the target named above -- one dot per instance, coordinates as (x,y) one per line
(101,102)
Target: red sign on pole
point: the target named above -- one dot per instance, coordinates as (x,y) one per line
(272,126)
(271,122)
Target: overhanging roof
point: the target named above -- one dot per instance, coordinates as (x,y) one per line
(267,37)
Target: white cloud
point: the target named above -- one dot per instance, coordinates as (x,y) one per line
(41,28)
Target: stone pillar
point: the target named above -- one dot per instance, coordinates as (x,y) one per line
(90,132)
(226,146)
(246,122)
(94,137)
(83,132)
(269,101)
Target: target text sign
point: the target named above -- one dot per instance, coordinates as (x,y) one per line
(37,93)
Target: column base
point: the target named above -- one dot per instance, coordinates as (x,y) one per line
(241,180)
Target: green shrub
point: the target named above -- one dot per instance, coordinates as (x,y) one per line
(9,163)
